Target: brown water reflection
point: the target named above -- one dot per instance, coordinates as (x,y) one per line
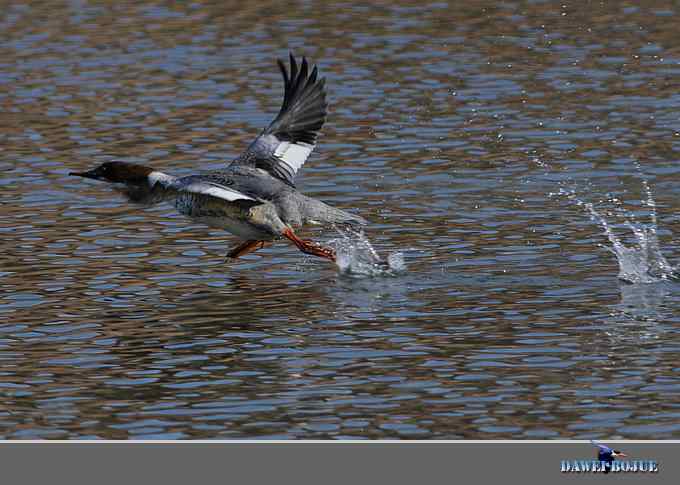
(449,127)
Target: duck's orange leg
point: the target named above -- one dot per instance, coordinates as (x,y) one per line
(247,247)
(309,247)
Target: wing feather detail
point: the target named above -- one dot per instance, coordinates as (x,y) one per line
(285,145)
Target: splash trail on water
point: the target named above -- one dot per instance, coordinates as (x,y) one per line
(356,256)
(639,262)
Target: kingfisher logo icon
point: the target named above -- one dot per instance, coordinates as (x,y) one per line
(606,455)
(609,461)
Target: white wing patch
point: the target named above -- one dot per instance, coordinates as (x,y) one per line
(215,190)
(293,154)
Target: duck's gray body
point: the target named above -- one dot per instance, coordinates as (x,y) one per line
(268,208)
(254,197)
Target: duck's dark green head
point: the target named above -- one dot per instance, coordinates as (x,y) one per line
(118,172)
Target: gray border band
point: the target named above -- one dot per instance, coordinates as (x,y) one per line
(320,462)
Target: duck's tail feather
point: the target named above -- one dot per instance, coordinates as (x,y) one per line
(317,212)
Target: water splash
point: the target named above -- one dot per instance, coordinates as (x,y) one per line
(639,262)
(356,256)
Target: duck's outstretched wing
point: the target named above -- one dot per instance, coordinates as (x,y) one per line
(287,142)
(170,188)
(144,185)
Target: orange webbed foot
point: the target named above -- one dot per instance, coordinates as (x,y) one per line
(309,247)
(246,248)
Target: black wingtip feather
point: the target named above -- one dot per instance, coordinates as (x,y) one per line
(312,78)
(303,110)
(284,71)
(301,117)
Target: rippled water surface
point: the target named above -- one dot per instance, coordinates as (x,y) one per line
(449,127)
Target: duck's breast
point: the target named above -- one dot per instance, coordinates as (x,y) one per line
(233,217)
